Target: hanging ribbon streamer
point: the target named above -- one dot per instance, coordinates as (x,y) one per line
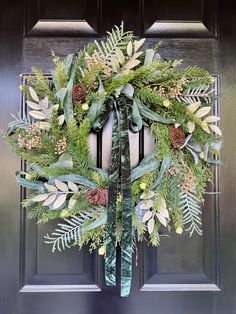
(119,183)
(126,245)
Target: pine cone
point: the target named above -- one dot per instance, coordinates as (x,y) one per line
(97,196)
(177,136)
(78,93)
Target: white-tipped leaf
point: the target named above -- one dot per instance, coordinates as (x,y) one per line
(146,204)
(203,111)
(137,54)
(211,119)
(147,195)
(131,64)
(61,119)
(161,219)
(164,212)
(43,125)
(71,203)
(37,115)
(59,201)
(147,216)
(162,203)
(129,49)
(72,186)
(150,225)
(215,129)
(120,56)
(33,105)
(40,198)
(50,187)
(193,107)
(61,186)
(191,126)
(50,200)
(45,102)
(33,94)
(138,44)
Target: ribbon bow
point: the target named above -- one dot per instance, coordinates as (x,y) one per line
(119,183)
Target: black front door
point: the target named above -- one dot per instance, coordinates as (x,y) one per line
(187,276)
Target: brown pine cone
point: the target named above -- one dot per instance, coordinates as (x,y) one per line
(97,196)
(177,136)
(78,93)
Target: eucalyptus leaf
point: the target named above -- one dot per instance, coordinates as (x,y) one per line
(73,178)
(165,165)
(149,163)
(149,55)
(68,63)
(136,118)
(61,93)
(214,161)
(97,223)
(97,104)
(68,103)
(29,184)
(151,115)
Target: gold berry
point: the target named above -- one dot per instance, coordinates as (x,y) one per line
(166,103)
(142,186)
(102,250)
(85,107)
(179,230)
(64,213)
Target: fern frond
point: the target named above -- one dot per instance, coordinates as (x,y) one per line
(72,133)
(67,233)
(190,204)
(197,75)
(196,94)
(19,122)
(148,95)
(83,150)
(117,38)
(174,193)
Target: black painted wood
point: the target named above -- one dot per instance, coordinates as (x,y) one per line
(180,277)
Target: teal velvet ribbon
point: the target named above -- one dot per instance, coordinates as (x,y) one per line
(119,183)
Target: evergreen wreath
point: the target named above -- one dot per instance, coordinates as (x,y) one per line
(123,206)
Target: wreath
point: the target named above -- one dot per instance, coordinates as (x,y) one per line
(122,206)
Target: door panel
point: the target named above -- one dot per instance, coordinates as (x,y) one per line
(183,275)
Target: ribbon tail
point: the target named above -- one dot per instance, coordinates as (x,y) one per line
(126,245)
(110,259)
